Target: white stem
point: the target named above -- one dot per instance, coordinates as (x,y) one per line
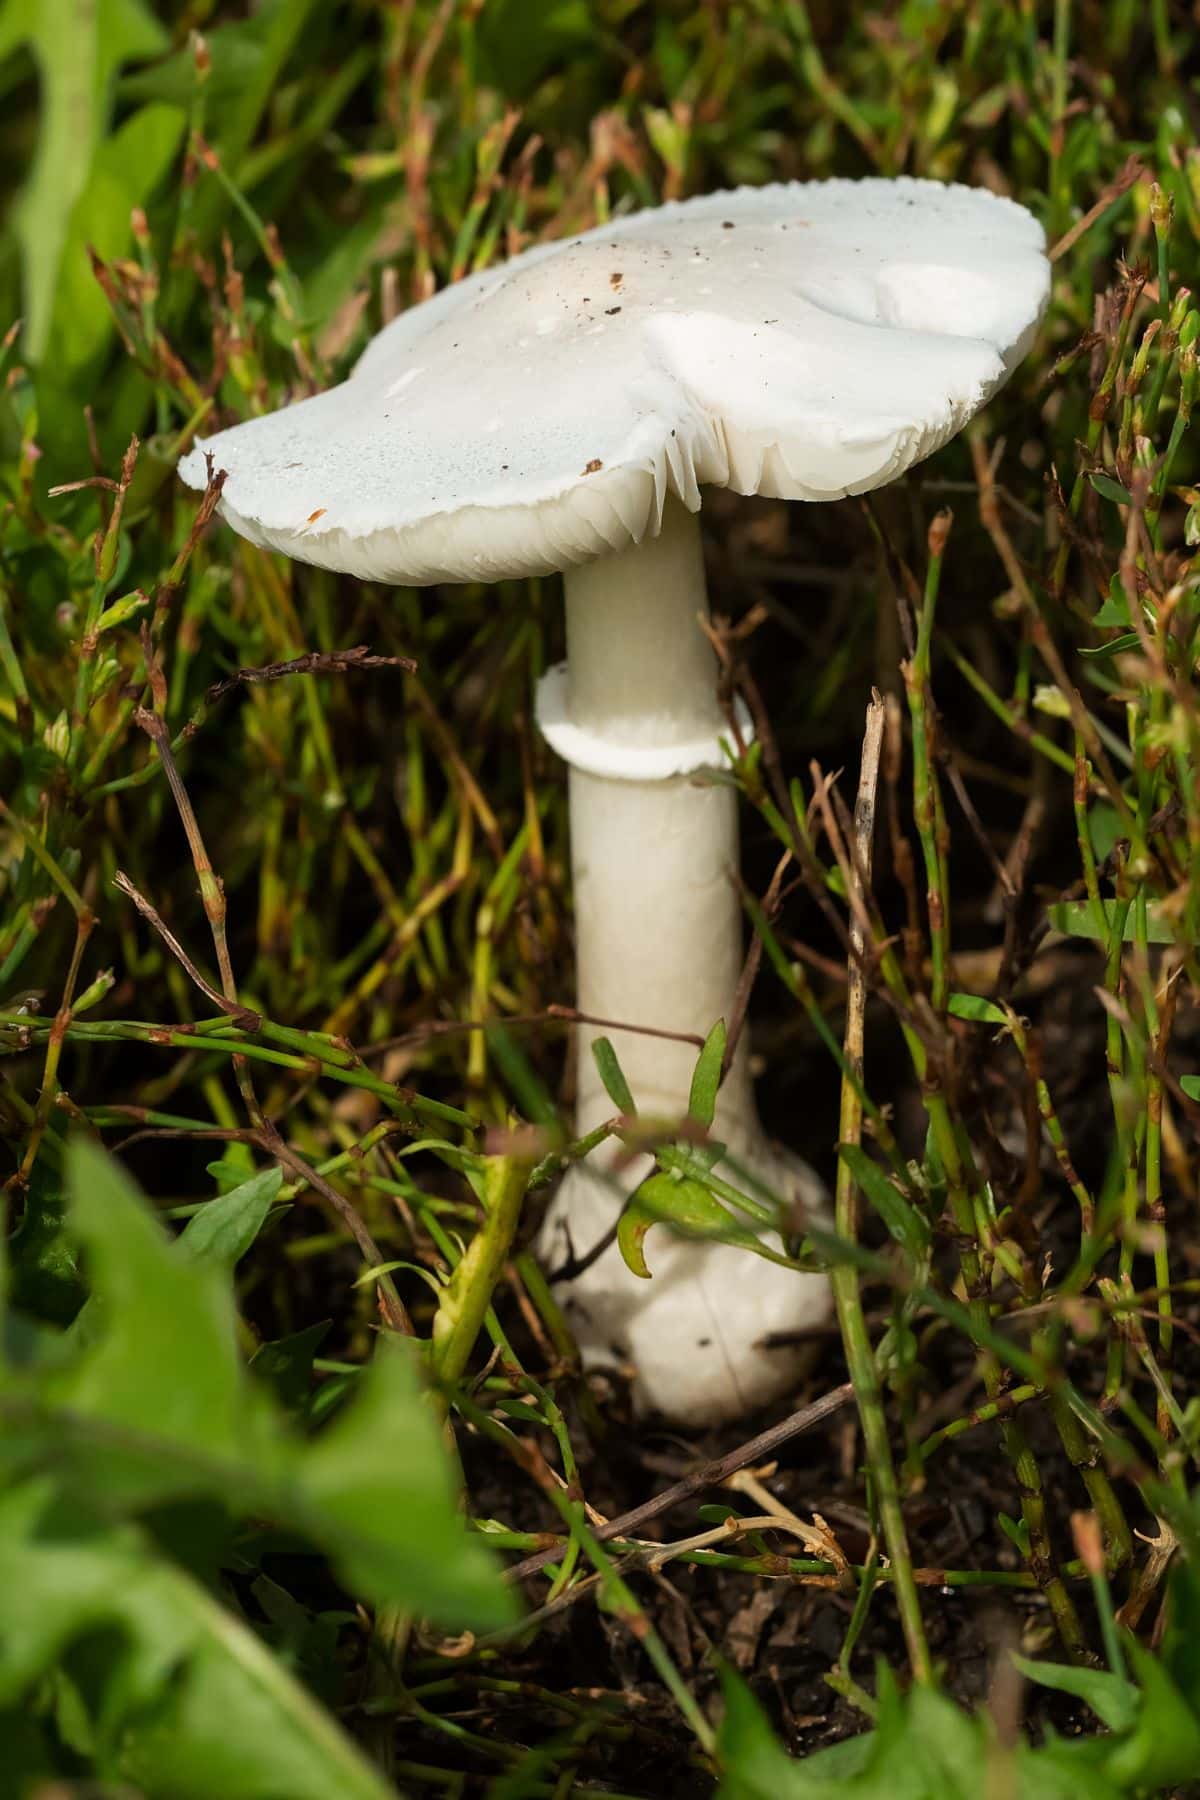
(658,939)
(658,926)
(659,944)
(641,670)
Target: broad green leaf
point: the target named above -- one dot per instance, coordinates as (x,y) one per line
(188,1700)
(156,1404)
(615,1084)
(162,1356)
(1181,1640)
(755,1764)
(379,1473)
(923,1748)
(228,1225)
(975,1008)
(1075,918)
(1114,1700)
(687,1208)
(1164,1747)
(44,1276)
(909,1227)
(706,1077)
(78,51)
(1064,1769)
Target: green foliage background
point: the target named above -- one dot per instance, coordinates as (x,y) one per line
(207,209)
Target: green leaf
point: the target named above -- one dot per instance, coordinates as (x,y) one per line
(1015,1530)
(615,1084)
(1111,490)
(923,1748)
(1164,1747)
(1115,610)
(156,1405)
(163,1352)
(228,1225)
(755,1765)
(379,1474)
(909,1227)
(187,1700)
(286,1364)
(1114,1700)
(706,1077)
(975,1008)
(689,1209)
(1181,1640)
(1128,640)
(1104,828)
(78,50)
(44,1276)
(1076,918)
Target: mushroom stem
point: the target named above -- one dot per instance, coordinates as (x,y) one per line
(658,935)
(641,672)
(658,927)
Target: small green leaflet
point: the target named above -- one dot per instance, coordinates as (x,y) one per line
(615,1084)
(909,1228)
(689,1209)
(1112,490)
(228,1225)
(975,1008)
(1128,640)
(706,1077)
(1115,610)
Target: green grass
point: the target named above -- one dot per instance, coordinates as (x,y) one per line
(257,896)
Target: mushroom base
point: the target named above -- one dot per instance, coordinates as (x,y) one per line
(716,1331)
(659,945)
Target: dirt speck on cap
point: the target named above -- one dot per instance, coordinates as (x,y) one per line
(591,467)
(616,278)
(314,516)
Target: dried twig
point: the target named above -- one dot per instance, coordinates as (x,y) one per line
(1132,172)
(244,1016)
(709,1474)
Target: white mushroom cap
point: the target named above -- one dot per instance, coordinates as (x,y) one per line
(806,340)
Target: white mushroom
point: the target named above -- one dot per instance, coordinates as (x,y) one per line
(563,412)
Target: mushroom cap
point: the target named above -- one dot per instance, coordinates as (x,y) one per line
(805,340)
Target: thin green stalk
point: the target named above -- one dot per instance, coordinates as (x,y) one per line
(468,1294)
(925,796)
(860,1355)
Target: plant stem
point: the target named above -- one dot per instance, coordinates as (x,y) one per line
(468,1293)
(860,1356)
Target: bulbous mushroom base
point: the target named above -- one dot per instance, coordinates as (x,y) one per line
(717,1331)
